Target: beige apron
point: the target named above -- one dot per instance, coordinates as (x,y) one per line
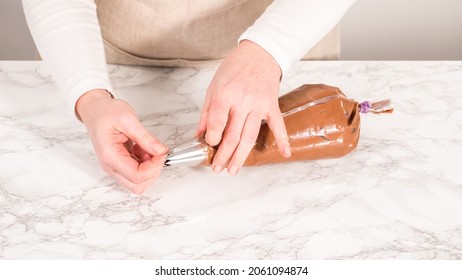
(184,32)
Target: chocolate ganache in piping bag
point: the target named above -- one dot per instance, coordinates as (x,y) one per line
(321,122)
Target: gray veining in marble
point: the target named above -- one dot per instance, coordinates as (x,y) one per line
(397,196)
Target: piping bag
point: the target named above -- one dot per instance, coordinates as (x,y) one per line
(321,122)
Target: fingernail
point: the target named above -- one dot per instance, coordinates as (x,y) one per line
(287,152)
(210,141)
(233,170)
(160,150)
(217,168)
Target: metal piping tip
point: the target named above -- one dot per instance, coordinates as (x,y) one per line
(189,153)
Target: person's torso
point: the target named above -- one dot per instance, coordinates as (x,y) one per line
(174,32)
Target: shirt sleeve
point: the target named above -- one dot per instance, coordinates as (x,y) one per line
(288,29)
(68,37)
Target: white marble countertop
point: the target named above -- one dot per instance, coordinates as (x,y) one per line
(398,195)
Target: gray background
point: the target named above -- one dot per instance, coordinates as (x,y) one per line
(371,30)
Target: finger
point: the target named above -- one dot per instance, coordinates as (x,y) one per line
(135,172)
(231,138)
(141,154)
(120,179)
(129,146)
(277,126)
(134,130)
(216,122)
(248,138)
(135,188)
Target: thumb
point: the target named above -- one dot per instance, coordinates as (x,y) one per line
(203,120)
(134,130)
(202,124)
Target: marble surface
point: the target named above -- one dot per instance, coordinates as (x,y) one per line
(398,195)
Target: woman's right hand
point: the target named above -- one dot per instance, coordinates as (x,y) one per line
(125,149)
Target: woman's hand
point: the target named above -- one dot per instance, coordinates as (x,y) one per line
(125,149)
(243,92)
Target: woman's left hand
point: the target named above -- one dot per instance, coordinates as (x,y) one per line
(243,92)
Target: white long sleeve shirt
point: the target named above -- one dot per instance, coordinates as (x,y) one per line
(68,37)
